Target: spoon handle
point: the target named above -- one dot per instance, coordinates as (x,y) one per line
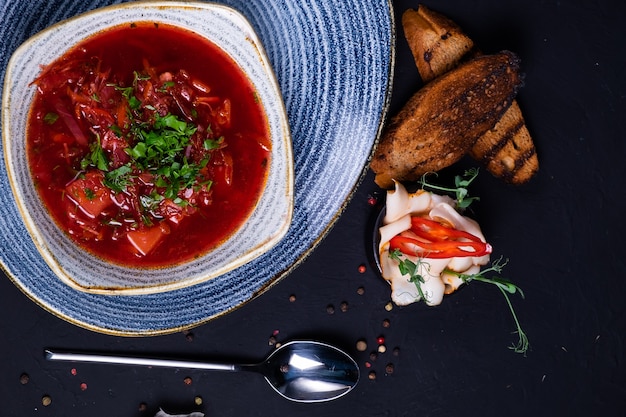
(129,360)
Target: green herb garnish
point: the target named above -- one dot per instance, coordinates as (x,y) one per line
(461,187)
(50,118)
(506,287)
(96,157)
(410,268)
(118,179)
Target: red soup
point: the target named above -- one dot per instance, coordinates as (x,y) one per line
(148,144)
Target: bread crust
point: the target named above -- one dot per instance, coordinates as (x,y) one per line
(436,42)
(438,46)
(442,121)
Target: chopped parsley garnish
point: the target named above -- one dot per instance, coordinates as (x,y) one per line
(89,193)
(118,179)
(157,148)
(96,157)
(50,118)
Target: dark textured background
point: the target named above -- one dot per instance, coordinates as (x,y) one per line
(563,234)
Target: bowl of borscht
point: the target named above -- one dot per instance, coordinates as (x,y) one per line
(147,146)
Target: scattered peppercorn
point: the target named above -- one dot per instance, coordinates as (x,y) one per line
(143,406)
(396,351)
(368,365)
(187,380)
(361,345)
(343,306)
(330,309)
(386,323)
(189,337)
(271,341)
(83,386)
(292,298)
(372,375)
(24,378)
(373,356)
(73,371)
(360,290)
(389,368)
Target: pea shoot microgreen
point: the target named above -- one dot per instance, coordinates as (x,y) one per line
(410,268)
(506,287)
(461,183)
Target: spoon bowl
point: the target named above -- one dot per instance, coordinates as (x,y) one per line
(302,371)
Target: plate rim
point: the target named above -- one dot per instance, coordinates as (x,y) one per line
(381,117)
(270,239)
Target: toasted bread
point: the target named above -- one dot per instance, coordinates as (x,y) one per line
(507,150)
(438,45)
(442,121)
(436,42)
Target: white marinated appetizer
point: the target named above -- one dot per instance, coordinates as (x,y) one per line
(428,248)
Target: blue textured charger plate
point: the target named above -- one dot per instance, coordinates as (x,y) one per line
(334,64)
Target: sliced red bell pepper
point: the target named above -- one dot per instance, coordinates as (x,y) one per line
(438,241)
(432,229)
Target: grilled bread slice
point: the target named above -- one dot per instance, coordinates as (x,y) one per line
(438,44)
(507,150)
(442,121)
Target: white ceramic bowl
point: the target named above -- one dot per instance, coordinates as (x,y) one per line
(267,224)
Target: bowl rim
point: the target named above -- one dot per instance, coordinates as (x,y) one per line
(286,182)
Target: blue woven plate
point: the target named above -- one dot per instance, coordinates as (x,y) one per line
(334,64)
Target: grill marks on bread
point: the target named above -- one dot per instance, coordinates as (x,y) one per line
(442,121)
(438,46)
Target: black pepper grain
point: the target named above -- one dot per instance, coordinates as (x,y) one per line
(24,378)
(389,368)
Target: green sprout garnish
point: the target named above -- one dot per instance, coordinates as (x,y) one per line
(461,183)
(506,287)
(410,268)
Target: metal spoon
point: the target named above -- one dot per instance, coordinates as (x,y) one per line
(303,371)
